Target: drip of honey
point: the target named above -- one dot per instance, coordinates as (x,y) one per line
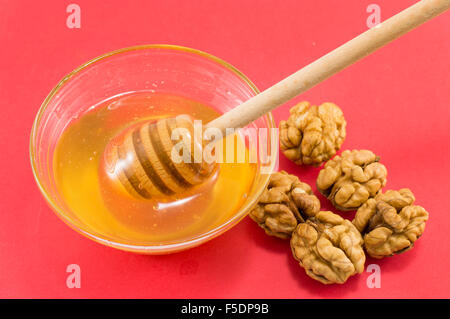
(109,210)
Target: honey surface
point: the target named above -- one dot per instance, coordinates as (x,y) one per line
(107,209)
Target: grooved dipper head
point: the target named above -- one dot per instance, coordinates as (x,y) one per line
(156,159)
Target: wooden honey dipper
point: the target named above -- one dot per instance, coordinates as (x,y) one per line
(141,158)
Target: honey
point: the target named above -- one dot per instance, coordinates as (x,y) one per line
(108,210)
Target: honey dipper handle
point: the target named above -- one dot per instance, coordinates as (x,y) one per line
(331,63)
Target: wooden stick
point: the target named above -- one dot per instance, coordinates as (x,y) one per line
(329,64)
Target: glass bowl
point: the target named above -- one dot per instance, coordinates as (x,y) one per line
(177,70)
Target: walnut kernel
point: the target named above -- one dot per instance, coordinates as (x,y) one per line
(390,223)
(329,248)
(312,134)
(349,180)
(285,202)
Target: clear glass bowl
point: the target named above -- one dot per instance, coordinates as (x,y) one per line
(177,70)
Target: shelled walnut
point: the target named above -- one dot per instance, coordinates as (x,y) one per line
(329,248)
(312,134)
(349,180)
(390,223)
(285,202)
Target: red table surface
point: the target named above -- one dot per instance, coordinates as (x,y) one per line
(396,103)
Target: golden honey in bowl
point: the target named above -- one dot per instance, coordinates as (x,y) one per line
(108,209)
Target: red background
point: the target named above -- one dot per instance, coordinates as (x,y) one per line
(395,101)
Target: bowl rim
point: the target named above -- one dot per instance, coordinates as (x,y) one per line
(162,248)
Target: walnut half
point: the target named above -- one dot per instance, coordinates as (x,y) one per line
(285,202)
(390,223)
(329,248)
(350,179)
(312,134)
